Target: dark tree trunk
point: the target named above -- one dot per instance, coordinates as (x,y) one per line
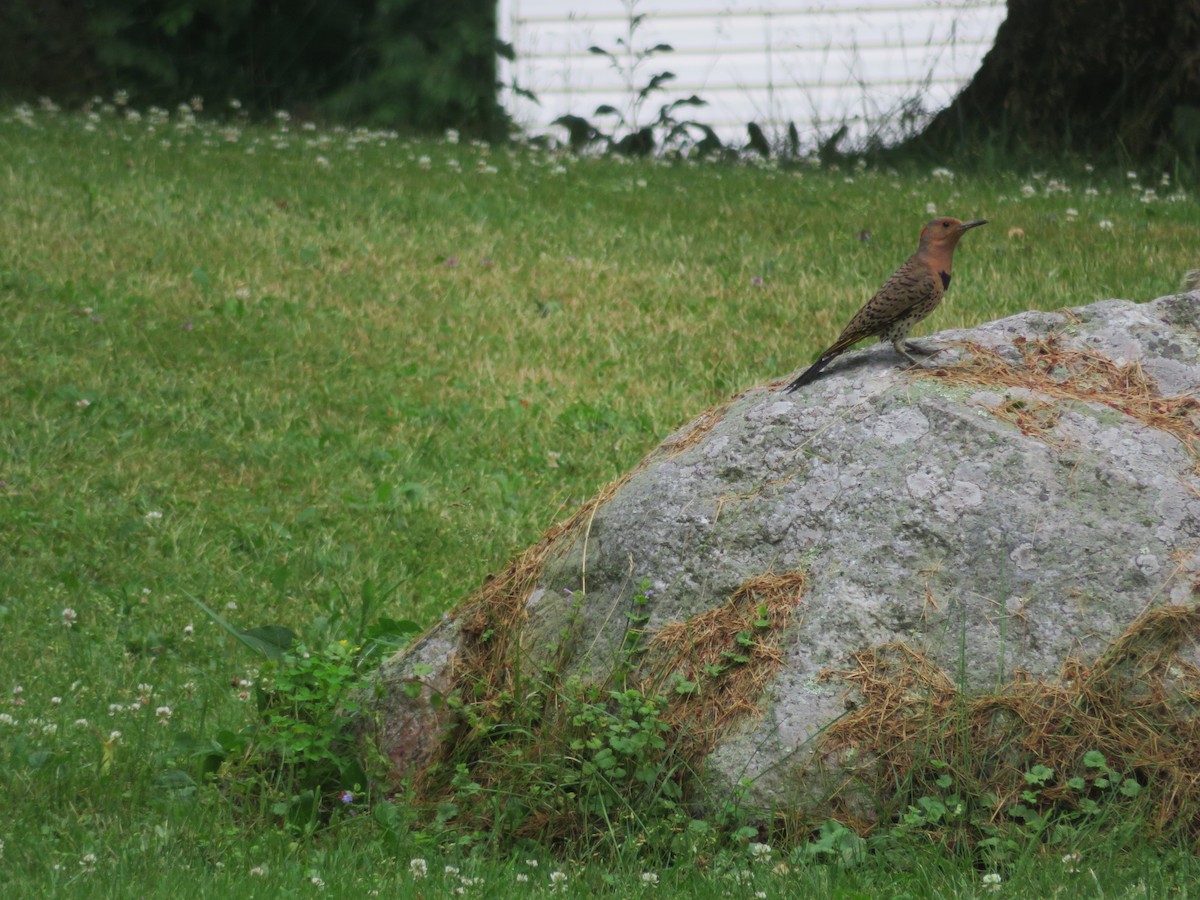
(1097,77)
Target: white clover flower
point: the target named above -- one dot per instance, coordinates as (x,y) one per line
(1028,190)
(760,851)
(188,630)
(258,871)
(942,174)
(991,881)
(114,736)
(68,617)
(931,209)
(1071,861)
(6,719)
(452,136)
(650,878)
(522,878)
(322,162)
(450,870)
(152,516)
(83,403)
(316,882)
(418,867)
(558,879)
(82,723)
(532,863)
(164,714)
(1105,225)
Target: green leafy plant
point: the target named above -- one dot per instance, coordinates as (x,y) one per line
(630,60)
(299,761)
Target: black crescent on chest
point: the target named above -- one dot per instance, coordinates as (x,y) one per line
(945,276)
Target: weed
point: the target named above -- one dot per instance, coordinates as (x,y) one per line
(629,60)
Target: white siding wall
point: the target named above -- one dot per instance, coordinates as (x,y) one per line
(817,63)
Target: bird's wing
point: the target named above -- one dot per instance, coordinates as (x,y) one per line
(909,286)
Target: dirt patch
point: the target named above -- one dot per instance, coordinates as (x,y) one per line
(908,724)
(1052,370)
(700,427)
(715,666)
(491,619)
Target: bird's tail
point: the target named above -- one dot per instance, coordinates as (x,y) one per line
(844,343)
(811,373)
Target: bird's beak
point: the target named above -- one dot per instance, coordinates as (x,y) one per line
(965,225)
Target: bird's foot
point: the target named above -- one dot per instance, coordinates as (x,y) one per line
(903,348)
(914,347)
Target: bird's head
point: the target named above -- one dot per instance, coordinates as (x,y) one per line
(943,233)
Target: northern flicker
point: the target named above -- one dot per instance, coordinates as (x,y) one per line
(913,292)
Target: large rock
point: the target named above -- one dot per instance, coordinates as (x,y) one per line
(1020,506)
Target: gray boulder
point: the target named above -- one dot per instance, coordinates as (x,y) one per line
(1019,506)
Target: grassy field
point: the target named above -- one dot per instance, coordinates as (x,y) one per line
(318,377)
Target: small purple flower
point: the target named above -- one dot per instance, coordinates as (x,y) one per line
(346,797)
(756,281)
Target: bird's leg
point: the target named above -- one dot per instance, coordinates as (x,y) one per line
(914,347)
(899,346)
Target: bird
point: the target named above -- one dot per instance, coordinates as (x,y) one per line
(912,293)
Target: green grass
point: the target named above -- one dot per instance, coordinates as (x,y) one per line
(295,372)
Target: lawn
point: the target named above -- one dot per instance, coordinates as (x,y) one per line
(317,377)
